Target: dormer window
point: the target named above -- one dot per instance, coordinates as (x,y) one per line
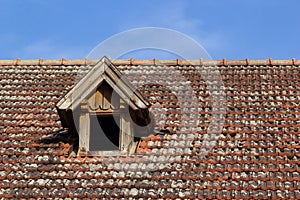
(105,112)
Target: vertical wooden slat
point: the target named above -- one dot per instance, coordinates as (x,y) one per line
(115,102)
(92,102)
(106,92)
(106,99)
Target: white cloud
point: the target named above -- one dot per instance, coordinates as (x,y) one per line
(193,27)
(175,16)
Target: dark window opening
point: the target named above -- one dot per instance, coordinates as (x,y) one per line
(104,133)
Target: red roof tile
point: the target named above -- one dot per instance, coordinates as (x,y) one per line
(255,156)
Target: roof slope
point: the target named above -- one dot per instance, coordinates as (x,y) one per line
(255,156)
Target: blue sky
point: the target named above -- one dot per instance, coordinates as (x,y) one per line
(232,29)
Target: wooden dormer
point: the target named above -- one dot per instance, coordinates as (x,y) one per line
(103,109)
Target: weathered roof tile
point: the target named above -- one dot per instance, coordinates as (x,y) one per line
(255,156)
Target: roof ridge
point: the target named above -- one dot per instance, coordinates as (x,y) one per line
(155,61)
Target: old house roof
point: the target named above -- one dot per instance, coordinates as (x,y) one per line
(256,155)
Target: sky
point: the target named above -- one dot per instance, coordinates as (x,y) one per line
(232,29)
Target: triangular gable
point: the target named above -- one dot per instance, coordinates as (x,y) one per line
(103,70)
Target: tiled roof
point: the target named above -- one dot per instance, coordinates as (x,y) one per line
(255,156)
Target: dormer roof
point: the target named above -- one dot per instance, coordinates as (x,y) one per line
(103,70)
